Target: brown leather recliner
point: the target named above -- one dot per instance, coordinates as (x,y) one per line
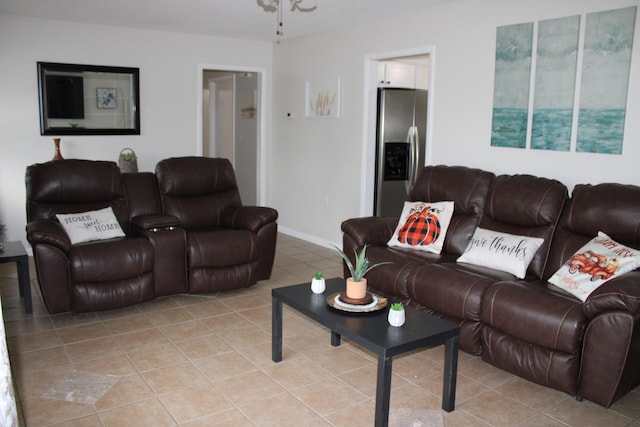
(95,275)
(228,245)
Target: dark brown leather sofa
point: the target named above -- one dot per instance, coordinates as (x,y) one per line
(525,326)
(164,252)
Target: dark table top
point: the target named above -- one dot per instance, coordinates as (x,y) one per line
(371,330)
(12,251)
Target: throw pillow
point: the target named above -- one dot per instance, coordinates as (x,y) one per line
(501,251)
(423,226)
(597,262)
(93,225)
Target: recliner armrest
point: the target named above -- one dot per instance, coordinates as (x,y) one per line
(373,230)
(620,293)
(48,232)
(249,217)
(151,221)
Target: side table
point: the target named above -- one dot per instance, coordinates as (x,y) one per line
(15,252)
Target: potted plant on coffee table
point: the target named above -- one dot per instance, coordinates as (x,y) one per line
(357,283)
(396,315)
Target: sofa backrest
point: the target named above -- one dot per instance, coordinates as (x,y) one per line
(197,189)
(526,205)
(72,186)
(466,187)
(611,208)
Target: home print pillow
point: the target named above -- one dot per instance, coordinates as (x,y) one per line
(501,251)
(93,225)
(597,262)
(423,226)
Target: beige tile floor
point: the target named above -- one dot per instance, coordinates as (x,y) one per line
(206,361)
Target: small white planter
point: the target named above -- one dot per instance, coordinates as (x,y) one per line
(318,286)
(396,317)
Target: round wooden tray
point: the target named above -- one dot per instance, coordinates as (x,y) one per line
(378,303)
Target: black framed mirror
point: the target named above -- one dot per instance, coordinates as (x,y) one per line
(88,99)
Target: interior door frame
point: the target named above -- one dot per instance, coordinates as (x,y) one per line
(261,119)
(370,82)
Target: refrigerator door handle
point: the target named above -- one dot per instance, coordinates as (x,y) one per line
(416,157)
(412,140)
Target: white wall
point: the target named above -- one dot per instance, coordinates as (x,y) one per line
(320,160)
(314,167)
(169,88)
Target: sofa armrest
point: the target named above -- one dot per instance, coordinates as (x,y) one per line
(371,230)
(48,232)
(153,221)
(249,217)
(621,293)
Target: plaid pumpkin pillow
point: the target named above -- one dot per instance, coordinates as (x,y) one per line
(423,226)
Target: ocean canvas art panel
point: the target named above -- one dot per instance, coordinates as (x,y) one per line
(555,82)
(605,78)
(511,86)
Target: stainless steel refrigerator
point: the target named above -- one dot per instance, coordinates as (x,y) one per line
(400,146)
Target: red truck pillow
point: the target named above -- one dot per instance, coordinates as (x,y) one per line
(600,260)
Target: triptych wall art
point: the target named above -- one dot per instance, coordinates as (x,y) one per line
(571,94)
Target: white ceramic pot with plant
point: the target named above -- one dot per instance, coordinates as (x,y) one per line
(396,314)
(317,283)
(357,283)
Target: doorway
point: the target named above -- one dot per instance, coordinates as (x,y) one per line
(393,70)
(231,125)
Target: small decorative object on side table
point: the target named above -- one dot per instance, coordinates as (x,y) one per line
(396,314)
(317,283)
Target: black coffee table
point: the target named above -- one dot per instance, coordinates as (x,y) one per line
(373,332)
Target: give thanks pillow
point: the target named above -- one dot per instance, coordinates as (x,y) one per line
(501,251)
(423,226)
(597,262)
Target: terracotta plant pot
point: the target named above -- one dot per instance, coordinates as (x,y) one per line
(356,290)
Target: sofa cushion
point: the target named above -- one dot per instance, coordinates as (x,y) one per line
(197,190)
(535,314)
(502,251)
(526,205)
(423,226)
(444,291)
(608,207)
(82,227)
(466,187)
(110,260)
(75,185)
(597,262)
(220,247)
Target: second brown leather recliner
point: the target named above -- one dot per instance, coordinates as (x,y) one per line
(228,245)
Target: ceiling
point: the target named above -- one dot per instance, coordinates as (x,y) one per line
(230,18)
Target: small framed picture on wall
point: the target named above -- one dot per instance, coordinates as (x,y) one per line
(107,98)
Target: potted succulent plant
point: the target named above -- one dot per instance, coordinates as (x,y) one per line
(317,283)
(396,314)
(357,283)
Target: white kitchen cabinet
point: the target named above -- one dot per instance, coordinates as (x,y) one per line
(398,74)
